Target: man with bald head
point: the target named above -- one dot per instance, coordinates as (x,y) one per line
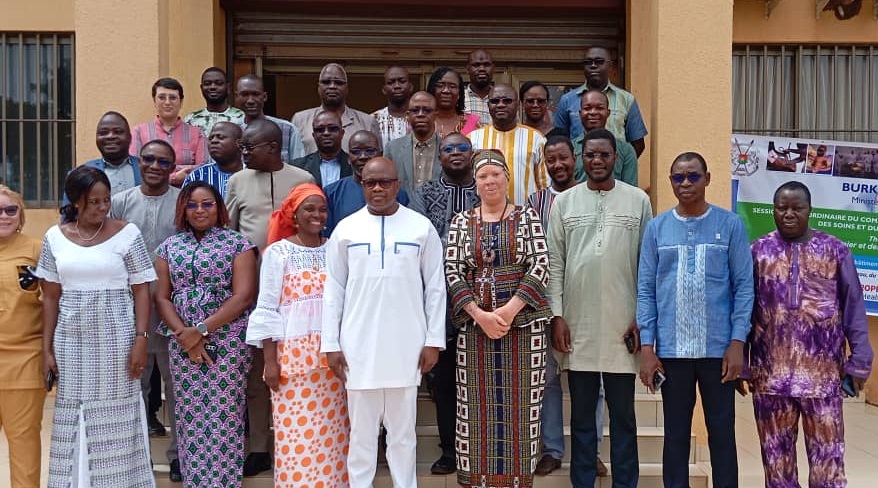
(417,154)
(253,194)
(345,196)
(383,258)
(398,89)
(332,87)
(250,96)
(521,144)
(480,67)
(625,121)
(225,157)
(328,163)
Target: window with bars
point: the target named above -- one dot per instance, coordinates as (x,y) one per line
(36,114)
(813,92)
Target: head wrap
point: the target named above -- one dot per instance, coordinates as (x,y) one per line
(489,156)
(282,224)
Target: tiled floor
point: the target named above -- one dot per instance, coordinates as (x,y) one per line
(861,426)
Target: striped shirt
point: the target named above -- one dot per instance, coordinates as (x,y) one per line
(190,145)
(212,174)
(523,148)
(541,202)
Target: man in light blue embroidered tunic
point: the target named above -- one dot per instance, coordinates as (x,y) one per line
(694,301)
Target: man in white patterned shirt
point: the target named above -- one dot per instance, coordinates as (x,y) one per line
(391,119)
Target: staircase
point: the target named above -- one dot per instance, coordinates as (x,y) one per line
(650,441)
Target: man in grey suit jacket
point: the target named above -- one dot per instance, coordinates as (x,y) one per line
(417,154)
(328,163)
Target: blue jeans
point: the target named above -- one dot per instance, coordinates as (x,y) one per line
(678,403)
(584,391)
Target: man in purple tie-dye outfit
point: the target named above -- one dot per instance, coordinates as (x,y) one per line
(808,303)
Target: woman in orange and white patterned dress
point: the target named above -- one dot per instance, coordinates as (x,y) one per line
(309,404)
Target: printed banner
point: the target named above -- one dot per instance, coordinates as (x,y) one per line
(842,177)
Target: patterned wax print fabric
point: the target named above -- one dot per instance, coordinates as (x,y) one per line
(99,430)
(311,426)
(499,381)
(210,399)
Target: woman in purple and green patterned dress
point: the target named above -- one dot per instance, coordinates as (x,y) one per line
(207,284)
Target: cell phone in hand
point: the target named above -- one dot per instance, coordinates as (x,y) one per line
(847,386)
(629,343)
(50,380)
(658,379)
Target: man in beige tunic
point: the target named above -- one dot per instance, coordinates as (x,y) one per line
(594,238)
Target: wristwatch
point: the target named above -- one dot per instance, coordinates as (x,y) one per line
(201,327)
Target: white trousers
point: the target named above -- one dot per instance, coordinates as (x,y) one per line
(397,409)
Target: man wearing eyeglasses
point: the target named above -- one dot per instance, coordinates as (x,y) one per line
(383,321)
(594,113)
(328,163)
(225,157)
(521,145)
(345,196)
(625,121)
(440,200)
(694,302)
(417,154)
(332,87)
(594,237)
(151,207)
(250,96)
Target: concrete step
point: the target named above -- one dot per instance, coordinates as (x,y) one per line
(650,477)
(650,442)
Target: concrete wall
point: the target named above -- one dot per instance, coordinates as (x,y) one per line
(37,16)
(796,22)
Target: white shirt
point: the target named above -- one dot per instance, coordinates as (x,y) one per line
(384,298)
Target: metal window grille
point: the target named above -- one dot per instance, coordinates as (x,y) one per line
(36,114)
(816,92)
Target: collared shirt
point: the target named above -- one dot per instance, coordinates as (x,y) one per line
(121,177)
(523,148)
(625,121)
(391,127)
(204,119)
(330,171)
(809,302)
(190,145)
(695,284)
(291,143)
(625,168)
(20,317)
(212,174)
(475,104)
(101,164)
(594,245)
(423,157)
(352,120)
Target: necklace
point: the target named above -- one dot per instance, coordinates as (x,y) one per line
(297,239)
(100,228)
(490,241)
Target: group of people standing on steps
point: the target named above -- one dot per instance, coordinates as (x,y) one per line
(476,251)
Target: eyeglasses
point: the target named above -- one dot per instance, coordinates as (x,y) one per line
(498,100)
(536,101)
(462,147)
(678,178)
(369,152)
(384,183)
(247,147)
(10,210)
(322,129)
(593,155)
(149,159)
(206,205)
(420,110)
(594,61)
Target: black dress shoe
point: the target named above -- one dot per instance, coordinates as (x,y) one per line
(175,474)
(256,463)
(444,465)
(154,427)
